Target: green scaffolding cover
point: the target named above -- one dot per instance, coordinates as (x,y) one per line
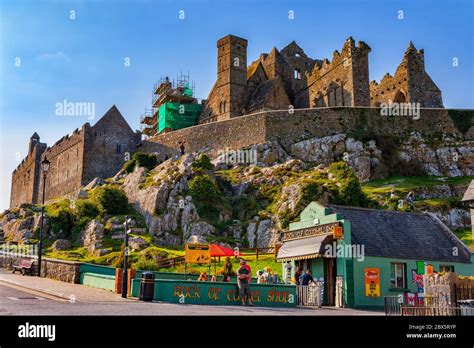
(176,116)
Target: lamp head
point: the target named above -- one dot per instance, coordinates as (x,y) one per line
(45,165)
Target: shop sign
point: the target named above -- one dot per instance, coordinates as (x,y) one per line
(372,282)
(310,232)
(338,232)
(198,253)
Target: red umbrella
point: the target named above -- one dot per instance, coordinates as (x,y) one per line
(219,250)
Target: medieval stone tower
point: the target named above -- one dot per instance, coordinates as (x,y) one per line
(410,83)
(228,96)
(344,81)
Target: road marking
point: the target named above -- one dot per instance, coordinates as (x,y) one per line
(26,298)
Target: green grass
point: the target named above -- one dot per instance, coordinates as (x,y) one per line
(438,204)
(465,234)
(377,189)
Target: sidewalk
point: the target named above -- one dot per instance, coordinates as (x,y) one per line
(62,290)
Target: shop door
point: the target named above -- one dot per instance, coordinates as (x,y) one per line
(330,280)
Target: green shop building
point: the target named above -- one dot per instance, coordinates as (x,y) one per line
(364,254)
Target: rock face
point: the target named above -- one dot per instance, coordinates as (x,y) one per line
(61,244)
(449,159)
(91,237)
(169,214)
(363,158)
(137,243)
(19,229)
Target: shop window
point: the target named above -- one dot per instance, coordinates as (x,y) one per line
(446,268)
(398,275)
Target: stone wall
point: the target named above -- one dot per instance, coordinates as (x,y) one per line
(65,271)
(344,81)
(289,128)
(25,178)
(66,157)
(107,144)
(410,83)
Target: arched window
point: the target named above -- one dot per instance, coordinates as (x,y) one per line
(297,74)
(225,106)
(400,97)
(220,108)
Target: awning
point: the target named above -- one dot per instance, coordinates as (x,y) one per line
(305,248)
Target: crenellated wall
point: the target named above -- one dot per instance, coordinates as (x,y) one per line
(67,159)
(344,81)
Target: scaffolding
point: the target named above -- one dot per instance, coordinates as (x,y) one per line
(173,106)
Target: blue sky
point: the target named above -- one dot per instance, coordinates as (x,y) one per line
(82,59)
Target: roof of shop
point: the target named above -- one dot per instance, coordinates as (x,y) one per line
(393,234)
(469,194)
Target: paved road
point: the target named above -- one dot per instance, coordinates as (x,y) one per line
(18,301)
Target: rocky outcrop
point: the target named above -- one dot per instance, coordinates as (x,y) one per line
(363,158)
(61,244)
(91,238)
(169,214)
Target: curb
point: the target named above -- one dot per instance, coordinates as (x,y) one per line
(40,290)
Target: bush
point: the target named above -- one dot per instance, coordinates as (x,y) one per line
(144,264)
(129,166)
(202,163)
(202,187)
(86,209)
(78,227)
(60,217)
(110,199)
(148,161)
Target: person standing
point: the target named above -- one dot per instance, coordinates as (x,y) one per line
(307,278)
(298,275)
(182,147)
(244,276)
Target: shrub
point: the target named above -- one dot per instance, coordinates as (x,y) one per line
(110,199)
(144,264)
(148,161)
(60,217)
(202,187)
(129,166)
(202,163)
(86,208)
(78,227)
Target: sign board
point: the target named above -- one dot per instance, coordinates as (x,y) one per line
(338,232)
(372,282)
(309,232)
(198,253)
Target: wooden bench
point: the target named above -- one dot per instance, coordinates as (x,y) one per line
(25,267)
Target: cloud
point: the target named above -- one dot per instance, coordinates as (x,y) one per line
(53,57)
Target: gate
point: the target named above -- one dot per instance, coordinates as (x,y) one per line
(310,295)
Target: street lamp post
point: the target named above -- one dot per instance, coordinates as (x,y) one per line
(125,259)
(44,168)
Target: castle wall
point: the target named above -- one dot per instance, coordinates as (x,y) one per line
(25,178)
(344,81)
(289,128)
(108,145)
(67,159)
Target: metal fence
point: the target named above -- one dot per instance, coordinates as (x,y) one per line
(310,295)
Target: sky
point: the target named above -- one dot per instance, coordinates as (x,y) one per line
(112,52)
